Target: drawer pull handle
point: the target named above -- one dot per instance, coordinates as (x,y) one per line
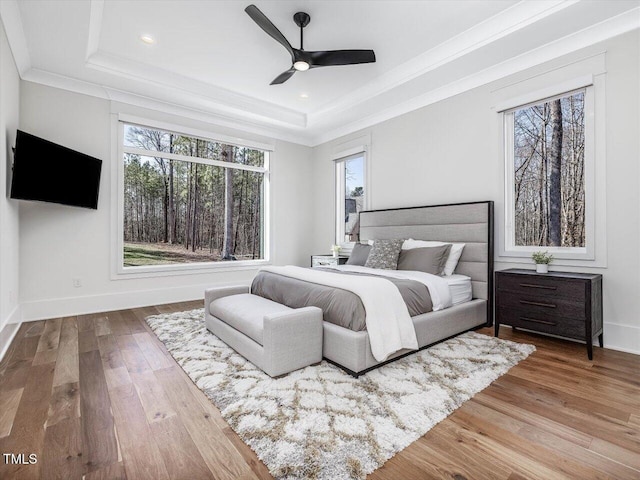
(533,285)
(545,322)
(538,304)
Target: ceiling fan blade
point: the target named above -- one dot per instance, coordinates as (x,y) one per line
(283,77)
(265,24)
(341,57)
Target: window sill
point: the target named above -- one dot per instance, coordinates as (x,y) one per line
(559,253)
(525,259)
(124,273)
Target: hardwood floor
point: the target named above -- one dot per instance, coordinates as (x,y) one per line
(99,397)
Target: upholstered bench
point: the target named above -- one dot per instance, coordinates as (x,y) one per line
(274,337)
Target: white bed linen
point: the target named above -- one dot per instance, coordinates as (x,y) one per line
(438,287)
(460,288)
(388,322)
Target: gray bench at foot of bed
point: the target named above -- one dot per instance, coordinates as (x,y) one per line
(274,337)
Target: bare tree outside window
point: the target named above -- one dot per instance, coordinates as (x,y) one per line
(549,181)
(354,196)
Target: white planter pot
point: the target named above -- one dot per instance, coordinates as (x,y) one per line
(542,267)
(335,254)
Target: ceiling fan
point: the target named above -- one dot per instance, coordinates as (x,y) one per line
(302,59)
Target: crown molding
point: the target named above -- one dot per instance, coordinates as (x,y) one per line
(235,118)
(12,21)
(206,116)
(199,100)
(231,103)
(96,10)
(174,85)
(177,87)
(201,114)
(491,30)
(64,83)
(613,27)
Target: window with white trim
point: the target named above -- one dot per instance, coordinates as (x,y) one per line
(549,169)
(189,201)
(351,196)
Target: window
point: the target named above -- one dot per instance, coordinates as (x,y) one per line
(549,164)
(187,200)
(351,197)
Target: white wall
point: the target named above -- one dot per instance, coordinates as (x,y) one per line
(451,152)
(9,245)
(58,243)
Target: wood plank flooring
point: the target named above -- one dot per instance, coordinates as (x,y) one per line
(99,397)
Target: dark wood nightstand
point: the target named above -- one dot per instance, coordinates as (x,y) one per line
(565,304)
(327,260)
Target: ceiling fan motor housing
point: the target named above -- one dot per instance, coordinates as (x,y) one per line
(302,19)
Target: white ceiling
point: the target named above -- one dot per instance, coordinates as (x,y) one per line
(210,58)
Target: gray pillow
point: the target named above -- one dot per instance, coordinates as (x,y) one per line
(359,254)
(384,254)
(425,259)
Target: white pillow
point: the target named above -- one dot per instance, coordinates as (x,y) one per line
(454,254)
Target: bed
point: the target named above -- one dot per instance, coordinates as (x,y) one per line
(349,346)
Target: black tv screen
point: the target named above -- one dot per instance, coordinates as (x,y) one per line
(48,172)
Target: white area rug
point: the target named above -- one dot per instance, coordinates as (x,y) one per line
(321,423)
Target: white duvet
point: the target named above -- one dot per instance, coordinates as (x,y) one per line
(437,285)
(388,322)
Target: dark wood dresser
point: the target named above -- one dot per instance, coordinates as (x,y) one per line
(565,304)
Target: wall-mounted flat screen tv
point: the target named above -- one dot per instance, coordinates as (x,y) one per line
(48,172)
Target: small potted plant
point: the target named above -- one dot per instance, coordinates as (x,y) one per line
(335,249)
(542,261)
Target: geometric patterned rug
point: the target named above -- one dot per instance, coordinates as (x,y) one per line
(321,423)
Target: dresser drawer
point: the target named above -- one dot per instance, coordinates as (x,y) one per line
(323,262)
(327,260)
(545,305)
(540,286)
(556,325)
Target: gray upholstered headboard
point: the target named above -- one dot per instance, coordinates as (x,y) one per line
(471,223)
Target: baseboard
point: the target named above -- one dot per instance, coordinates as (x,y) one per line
(8,329)
(63,307)
(625,338)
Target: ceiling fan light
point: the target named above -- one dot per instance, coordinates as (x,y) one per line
(301,66)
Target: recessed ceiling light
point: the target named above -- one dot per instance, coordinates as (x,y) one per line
(148,39)
(304,95)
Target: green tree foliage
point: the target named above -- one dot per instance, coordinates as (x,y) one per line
(357,192)
(184,203)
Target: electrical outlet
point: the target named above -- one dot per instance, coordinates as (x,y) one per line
(77,283)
